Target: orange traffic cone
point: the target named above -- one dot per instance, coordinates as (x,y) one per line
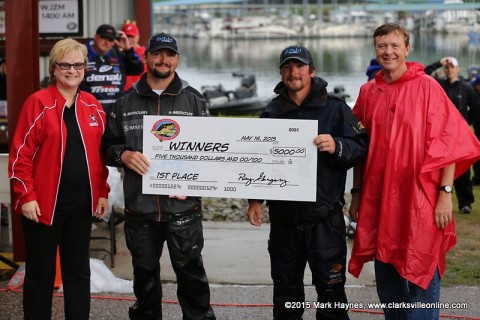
(58,272)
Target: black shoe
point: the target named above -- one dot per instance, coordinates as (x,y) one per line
(134,313)
(466,209)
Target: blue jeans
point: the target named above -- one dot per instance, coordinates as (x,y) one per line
(391,287)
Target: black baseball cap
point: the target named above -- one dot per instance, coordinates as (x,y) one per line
(161,41)
(298,53)
(106,31)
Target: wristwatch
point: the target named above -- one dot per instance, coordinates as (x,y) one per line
(446,189)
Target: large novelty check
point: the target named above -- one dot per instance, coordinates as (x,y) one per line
(230,157)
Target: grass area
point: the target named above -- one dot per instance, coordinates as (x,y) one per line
(463,261)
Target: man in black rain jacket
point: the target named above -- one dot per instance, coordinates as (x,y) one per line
(312,232)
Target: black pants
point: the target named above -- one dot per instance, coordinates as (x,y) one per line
(463,189)
(70,231)
(324,247)
(145,240)
(476,173)
(476,165)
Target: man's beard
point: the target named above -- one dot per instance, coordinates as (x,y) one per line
(296,86)
(160,74)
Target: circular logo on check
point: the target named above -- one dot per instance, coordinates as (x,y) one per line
(165,129)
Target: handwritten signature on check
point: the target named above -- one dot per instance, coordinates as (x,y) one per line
(262,178)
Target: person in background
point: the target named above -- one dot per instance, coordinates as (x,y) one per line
(467,102)
(110,58)
(59,181)
(3,119)
(419,143)
(476,128)
(373,69)
(3,79)
(45,83)
(476,84)
(150,220)
(3,129)
(133,34)
(312,232)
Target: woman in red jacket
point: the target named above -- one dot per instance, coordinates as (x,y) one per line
(59,181)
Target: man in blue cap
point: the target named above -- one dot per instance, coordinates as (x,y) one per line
(373,69)
(152,220)
(312,232)
(111,58)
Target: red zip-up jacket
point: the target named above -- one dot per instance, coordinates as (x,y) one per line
(38,149)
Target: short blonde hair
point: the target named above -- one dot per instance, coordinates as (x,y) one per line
(60,49)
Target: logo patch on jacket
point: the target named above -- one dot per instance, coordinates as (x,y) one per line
(359,127)
(93,121)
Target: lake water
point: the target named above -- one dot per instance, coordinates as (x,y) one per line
(338,61)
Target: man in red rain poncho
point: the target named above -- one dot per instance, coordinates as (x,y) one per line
(402,196)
